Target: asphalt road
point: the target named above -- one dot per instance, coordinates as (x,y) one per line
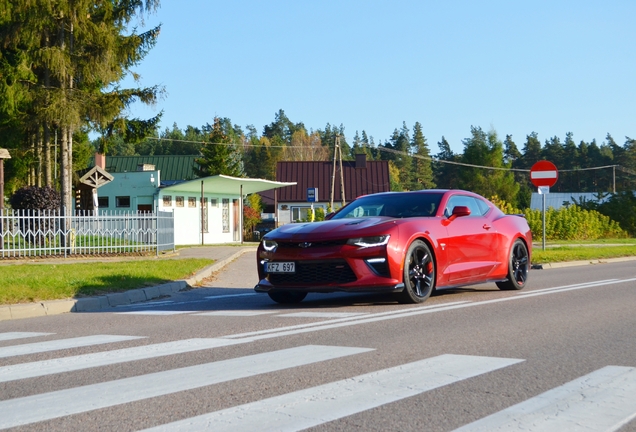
(558,355)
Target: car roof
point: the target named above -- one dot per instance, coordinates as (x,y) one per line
(422,191)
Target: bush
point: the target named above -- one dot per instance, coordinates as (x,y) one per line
(567,223)
(620,207)
(35,198)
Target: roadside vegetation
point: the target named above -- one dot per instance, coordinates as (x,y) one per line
(577,251)
(25,283)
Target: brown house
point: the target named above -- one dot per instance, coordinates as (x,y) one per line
(358,177)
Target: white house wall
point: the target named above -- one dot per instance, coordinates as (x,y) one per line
(141,188)
(187,220)
(287,210)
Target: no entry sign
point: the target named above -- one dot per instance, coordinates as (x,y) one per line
(544,173)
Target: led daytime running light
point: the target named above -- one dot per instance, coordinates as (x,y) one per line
(366,242)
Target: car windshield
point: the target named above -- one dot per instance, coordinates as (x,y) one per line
(397,205)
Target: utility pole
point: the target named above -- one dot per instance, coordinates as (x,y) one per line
(337,154)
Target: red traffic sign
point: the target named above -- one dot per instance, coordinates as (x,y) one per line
(544,173)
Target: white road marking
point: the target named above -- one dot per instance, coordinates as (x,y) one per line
(230,296)
(60,344)
(323,314)
(146,305)
(315,406)
(31,409)
(404,313)
(352,320)
(20,335)
(603,400)
(85,361)
(154,312)
(236,313)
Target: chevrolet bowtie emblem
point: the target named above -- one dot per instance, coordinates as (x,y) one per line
(304,244)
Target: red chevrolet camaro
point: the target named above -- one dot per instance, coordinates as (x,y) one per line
(407,243)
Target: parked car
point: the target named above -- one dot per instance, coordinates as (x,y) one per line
(407,243)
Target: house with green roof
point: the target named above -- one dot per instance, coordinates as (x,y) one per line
(206,210)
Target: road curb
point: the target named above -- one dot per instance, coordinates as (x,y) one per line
(586,262)
(108,301)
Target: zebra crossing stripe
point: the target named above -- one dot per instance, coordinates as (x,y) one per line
(318,405)
(603,400)
(20,335)
(85,361)
(60,344)
(31,409)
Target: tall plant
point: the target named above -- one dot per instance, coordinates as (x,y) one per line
(75,52)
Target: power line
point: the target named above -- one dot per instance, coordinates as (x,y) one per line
(496,168)
(384,149)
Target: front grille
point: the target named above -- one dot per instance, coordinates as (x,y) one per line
(297,245)
(316,273)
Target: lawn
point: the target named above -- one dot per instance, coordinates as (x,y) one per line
(583,251)
(23,283)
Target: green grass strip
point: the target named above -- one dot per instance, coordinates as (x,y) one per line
(580,253)
(23,283)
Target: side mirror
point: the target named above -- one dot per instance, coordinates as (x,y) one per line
(459,211)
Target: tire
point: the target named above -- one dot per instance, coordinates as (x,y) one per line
(518,266)
(419,274)
(287,297)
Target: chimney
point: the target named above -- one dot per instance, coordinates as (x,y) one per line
(100,160)
(361,160)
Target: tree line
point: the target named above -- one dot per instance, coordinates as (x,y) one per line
(61,64)
(487,165)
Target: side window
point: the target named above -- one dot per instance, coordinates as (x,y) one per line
(463,200)
(483,207)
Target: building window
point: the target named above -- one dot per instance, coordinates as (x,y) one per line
(192,202)
(299,213)
(225,216)
(122,201)
(213,202)
(179,201)
(206,227)
(102,202)
(167,200)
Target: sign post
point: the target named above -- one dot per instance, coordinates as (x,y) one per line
(312,197)
(544,175)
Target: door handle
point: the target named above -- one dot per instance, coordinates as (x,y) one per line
(486,227)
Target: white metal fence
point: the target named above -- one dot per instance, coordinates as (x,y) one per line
(29,233)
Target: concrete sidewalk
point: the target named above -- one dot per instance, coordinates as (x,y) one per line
(222,255)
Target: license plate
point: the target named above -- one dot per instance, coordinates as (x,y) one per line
(280,267)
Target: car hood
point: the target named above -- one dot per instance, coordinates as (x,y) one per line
(331,229)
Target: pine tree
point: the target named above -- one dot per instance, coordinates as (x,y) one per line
(74,52)
(422,168)
(446,175)
(219,155)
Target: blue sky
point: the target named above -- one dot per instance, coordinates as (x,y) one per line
(516,67)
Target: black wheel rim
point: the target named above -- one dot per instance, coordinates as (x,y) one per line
(421,271)
(520,264)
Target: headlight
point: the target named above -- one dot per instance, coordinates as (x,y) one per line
(369,241)
(269,245)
